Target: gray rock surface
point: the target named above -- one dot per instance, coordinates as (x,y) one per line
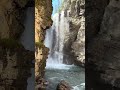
(104,49)
(74,45)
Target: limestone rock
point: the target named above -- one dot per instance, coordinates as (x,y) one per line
(74,43)
(63,85)
(43,12)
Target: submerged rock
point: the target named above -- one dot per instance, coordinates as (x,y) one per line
(63,85)
(41,84)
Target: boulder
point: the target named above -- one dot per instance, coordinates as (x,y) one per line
(63,85)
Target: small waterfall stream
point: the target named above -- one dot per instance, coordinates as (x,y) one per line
(55,40)
(27,39)
(56,70)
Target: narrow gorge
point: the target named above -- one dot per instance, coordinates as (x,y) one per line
(42,44)
(60,44)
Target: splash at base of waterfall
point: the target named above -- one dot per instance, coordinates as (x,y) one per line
(58,66)
(74,75)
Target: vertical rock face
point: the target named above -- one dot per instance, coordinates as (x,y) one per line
(43,11)
(94,14)
(15,61)
(74,43)
(103,51)
(79,43)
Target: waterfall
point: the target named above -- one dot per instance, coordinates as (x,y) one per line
(27,40)
(55,39)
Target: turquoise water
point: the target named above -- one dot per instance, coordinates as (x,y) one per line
(74,75)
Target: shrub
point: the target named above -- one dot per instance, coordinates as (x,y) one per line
(39,44)
(10,43)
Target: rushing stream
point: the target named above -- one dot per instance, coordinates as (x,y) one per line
(56,70)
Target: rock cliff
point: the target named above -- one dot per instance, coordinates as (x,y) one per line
(43,12)
(15,61)
(74,45)
(103,23)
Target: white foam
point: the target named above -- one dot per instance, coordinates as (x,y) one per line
(75,88)
(79,87)
(58,66)
(82,84)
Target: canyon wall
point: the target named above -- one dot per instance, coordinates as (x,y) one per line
(78,45)
(43,12)
(102,32)
(15,60)
(74,43)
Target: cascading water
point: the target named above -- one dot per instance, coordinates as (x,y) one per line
(56,70)
(55,40)
(27,39)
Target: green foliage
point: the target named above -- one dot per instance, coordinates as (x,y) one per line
(10,43)
(39,44)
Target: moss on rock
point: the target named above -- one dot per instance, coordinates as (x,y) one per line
(39,44)
(10,43)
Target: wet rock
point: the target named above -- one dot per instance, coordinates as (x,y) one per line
(41,84)
(74,43)
(43,11)
(63,85)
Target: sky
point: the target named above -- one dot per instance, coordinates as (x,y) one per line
(56,4)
